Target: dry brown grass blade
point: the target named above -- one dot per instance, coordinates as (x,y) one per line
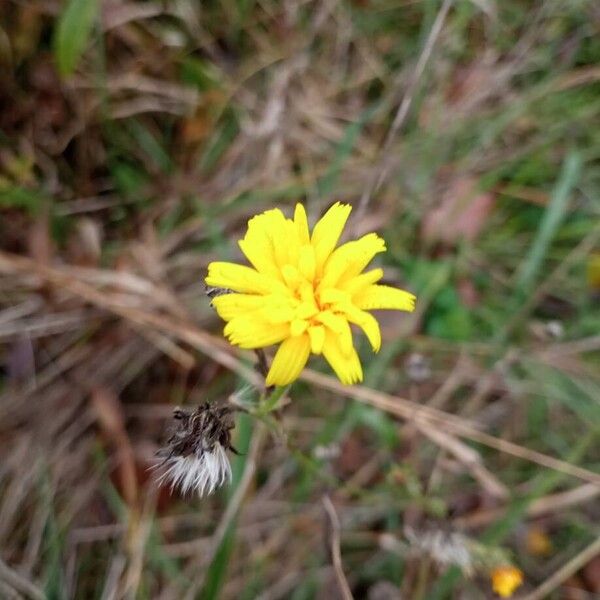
(203,341)
(379,175)
(223,354)
(110,416)
(560,576)
(468,457)
(138,529)
(450,423)
(168,347)
(550,504)
(19,584)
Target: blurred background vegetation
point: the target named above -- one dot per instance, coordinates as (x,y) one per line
(137,138)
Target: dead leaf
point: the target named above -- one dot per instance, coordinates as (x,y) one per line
(461,214)
(573,588)
(591,574)
(354,454)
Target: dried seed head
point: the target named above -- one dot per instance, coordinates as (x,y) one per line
(445,548)
(195,456)
(555,329)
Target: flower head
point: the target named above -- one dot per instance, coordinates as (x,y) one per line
(505,580)
(195,457)
(303,292)
(538,542)
(444,547)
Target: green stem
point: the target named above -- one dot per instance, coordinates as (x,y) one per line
(268,402)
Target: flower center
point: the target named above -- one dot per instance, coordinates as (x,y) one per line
(316,307)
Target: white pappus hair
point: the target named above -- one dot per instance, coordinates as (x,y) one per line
(202,474)
(194,458)
(445,548)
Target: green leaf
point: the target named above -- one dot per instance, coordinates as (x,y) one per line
(555,213)
(73,32)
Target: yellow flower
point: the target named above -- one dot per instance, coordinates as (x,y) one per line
(505,580)
(304,292)
(537,541)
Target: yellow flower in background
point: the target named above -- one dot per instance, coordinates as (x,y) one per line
(537,541)
(505,580)
(593,271)
(304,292)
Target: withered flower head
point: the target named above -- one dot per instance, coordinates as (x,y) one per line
(195,456)
(444,547)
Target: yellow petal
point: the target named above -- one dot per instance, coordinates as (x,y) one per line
(271,232)
(291,276)
(291,240)
(346,367)
(345,339)
(298,327)
(259,255)
(307,294)
(339,326)
(267,220)
(355,284)
(307,262)
(258,243)
(386,297)
(240,278)
(368,323)
(229,306)
(328,230)
(350,259)
(333,295)
(278,314)
(317,338)
(255,333)
(306,310)
(277,309)
(301,223)
(289,360)
(362,253)
(286,243)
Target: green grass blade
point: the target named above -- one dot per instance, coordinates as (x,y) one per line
(215,578)
(554,215)
(73,33)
